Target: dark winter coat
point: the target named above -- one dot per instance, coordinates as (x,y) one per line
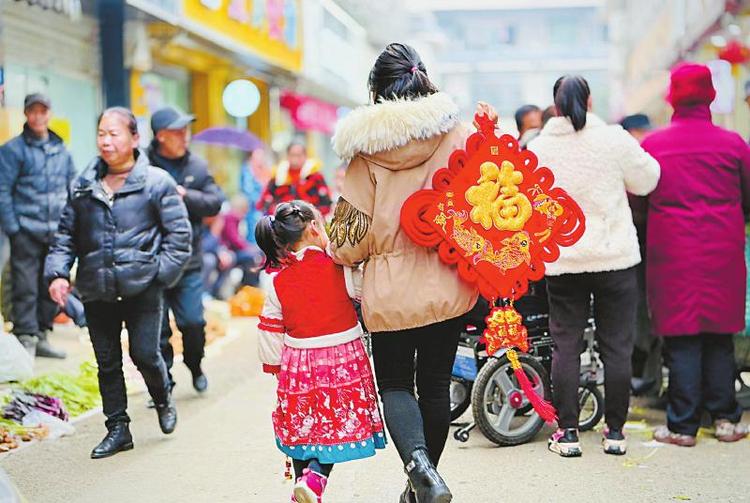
(122,247)
(203,197)
(35,176)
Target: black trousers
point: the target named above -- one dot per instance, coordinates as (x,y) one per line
(412,422)
(647,353)
(313,464)
(615,300)
(33,310)
(141,315)
(702,371)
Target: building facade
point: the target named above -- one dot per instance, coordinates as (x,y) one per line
(54,51)
(651,37)
(509,53)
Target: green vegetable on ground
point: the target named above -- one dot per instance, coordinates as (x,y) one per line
(79,393)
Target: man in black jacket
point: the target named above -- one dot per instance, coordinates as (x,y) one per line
(203,198)
(36,171)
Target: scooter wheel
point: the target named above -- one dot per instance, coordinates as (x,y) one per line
(460,392)
(498,416)
(591,406)
(461,436)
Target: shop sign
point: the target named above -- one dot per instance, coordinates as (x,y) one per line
(71,8)
(271,29)
(309,114)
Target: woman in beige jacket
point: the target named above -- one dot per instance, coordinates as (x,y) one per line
(411,302)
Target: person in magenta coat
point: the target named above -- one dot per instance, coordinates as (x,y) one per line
(696,273)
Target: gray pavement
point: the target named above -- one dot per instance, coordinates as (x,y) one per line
(223,451)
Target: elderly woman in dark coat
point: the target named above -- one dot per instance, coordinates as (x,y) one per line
(128,228)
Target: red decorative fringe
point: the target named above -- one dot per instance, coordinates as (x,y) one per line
(545,409)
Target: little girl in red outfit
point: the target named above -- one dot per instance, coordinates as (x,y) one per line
(327,410)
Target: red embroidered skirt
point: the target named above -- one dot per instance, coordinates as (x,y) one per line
(327,404)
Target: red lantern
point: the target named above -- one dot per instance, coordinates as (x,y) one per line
(735,52)
(495,215)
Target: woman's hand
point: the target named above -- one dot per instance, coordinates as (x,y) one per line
(59,290)
(485,109)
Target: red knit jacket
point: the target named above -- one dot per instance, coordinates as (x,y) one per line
(308,307)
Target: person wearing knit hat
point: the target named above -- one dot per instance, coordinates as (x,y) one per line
(696,273)
(691,84)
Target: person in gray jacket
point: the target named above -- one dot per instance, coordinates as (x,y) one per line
(36,171)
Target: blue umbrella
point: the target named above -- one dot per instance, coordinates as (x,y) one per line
(230,137)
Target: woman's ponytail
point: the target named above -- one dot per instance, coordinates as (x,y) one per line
(399,73)
(571,95)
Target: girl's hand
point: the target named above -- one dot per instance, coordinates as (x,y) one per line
(59,290)
(486,109)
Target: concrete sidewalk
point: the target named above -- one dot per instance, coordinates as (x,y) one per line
(223,450)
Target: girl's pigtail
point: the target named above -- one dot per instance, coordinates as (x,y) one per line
(265,236)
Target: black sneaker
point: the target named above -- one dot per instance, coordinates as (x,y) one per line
(565,443)
(614,442)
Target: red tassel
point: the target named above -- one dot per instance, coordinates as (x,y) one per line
(545,409)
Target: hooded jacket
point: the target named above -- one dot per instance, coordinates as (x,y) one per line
(393,149)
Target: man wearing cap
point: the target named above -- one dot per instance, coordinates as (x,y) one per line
(203,198)
(36,171)
(638,125)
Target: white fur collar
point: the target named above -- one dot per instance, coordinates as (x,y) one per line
(558,126)
(282,171)
(391,124)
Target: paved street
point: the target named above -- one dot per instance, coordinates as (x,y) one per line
(223,450)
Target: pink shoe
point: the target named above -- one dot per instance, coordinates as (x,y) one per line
(310,486)
(727,431)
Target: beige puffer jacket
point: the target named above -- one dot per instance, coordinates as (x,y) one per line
(394,148)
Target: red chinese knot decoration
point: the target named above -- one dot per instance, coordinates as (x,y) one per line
(495,214)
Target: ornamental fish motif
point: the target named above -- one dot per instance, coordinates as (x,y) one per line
(514,252)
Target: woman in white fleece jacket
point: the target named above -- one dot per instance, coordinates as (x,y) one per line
(597,165)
